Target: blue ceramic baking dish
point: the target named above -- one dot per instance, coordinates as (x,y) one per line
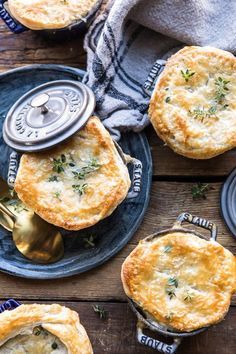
(77,27)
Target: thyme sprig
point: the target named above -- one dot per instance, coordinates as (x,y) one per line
(80,188)
(199,191)
(172,283)
(187,74)
(59,164)
(202,113)
(92,166)
(100,311)
(221,89)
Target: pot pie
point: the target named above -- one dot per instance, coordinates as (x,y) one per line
(180,280)
(76,184)
(193,107)
(49,14)
(42,329)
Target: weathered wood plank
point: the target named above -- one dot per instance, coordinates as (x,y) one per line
(116,334)
(30,47)
(168,163)
(168,199)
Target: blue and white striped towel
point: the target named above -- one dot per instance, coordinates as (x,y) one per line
(127,38)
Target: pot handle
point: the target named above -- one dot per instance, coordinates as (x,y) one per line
(136,177)
(10,304)
(156,70)
(12,168)
(154,343)
(11,23)
(196,220)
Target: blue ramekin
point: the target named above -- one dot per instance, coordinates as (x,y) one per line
(77,27)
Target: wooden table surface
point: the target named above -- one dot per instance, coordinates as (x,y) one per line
(173,178)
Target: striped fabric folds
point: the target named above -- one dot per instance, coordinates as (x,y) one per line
(128,37)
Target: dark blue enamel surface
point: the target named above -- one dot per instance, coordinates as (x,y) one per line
(112,233)
(228,202)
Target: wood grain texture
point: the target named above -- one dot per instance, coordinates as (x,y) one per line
(31,48)
(168,199)
(116,333)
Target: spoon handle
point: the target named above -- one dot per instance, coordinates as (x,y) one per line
(5,210)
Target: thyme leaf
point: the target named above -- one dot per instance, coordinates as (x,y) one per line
(80,188)
(57,195)
(188,297)
(167,248)
(167,99)
(170,292)
(53,179)
(187,74)
(173,282)
(89,242)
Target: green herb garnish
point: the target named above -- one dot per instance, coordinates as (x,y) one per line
(202,114)
(199,191)
(187,74)
(100,311)
(188,297)
(221,89)
(53,179)
(59,164)
(167,99)
(80,188)
(38,330)
(57,195)
(168,248)
(173,282)
(89,241)
(170,292)
(92,166)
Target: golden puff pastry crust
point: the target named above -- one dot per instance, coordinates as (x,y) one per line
(49,14)
(59,321)
(180,280)
(76,184)
(193,107)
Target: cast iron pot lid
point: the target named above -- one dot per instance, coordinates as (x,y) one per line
(47,115)
(228,202)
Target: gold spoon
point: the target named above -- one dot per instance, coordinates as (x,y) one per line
(34,237)
(5,220)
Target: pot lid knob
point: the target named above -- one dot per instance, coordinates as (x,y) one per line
(40,101)
(48,115)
